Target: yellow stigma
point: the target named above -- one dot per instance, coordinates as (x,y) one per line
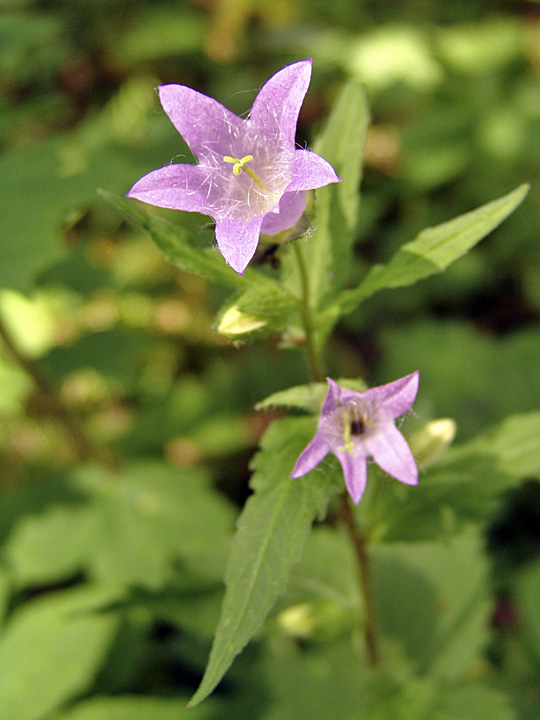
(347,433)
(240,164)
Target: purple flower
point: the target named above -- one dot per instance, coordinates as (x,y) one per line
(250,177)
(356,425)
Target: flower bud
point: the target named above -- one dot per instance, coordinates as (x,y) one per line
(234,323)
(429,443)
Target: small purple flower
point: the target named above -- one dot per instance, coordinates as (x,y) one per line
(250,177)
(356,425)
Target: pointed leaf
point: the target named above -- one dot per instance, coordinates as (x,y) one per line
(307,397)
(175,243)
(271,533)
(336,206)
(434,249)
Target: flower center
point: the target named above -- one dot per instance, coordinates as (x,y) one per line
(240,164)
(354,425)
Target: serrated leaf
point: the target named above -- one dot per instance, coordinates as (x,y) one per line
(434,249)
(433,598)
(176,245)
(271,533)
(130,531)
(336,206)
(50,651)
(464,485)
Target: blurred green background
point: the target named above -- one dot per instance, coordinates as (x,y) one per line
(108,351)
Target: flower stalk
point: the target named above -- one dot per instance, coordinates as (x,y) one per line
(359,543)
(312,350)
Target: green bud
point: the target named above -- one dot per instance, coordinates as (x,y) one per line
(234,323)
(429,443)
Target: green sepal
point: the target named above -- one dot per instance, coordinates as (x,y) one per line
(266,307)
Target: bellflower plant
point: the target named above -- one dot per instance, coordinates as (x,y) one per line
(356,425)
(250,177)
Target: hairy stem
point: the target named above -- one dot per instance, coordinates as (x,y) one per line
(55,408)
(313,355)
(362,561)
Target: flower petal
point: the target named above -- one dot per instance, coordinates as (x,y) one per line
(395,398)
(354,470)
(290,209)
(179,187)
(391,452)
(311,171)
(276,107)
(206,125)
(310,457)
(237,241)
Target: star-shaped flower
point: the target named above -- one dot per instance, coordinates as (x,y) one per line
(357,425)
(250,176)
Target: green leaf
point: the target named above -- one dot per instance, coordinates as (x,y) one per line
(175,243)
(50,651)
(463,486)
(527,594)
(50,547)
(271,533)
(336,206)
(130,531)
(433,598)
(136,707)
(472,702)
(306,397)
(434,249)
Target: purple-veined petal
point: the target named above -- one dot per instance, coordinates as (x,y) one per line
(391,452)
(276,107)
(290,209)
(310,457)
(237,241)
(394,398)
(178,186)
(332,399)
(210,130)
(311,171)
(355,472)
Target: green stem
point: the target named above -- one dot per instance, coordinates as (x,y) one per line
(359,543)
(314,359)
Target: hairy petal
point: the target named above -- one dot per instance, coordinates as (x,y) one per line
(276,107)
(395,397)
(310,457)
(289,211)
(206,125)
(355,472)
(391,452)
(180,187)
(237,241)
(311,171)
